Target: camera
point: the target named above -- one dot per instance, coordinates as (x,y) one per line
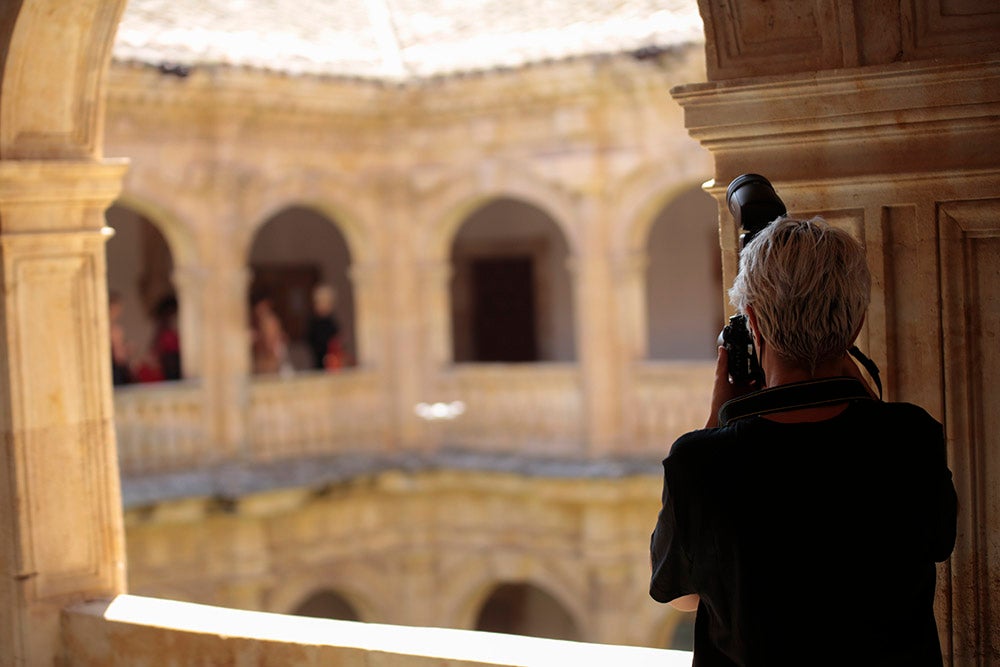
(754,205)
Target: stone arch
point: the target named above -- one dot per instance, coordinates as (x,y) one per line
(472,582)
(326,603)
(140,274)
(640,201)
(467,193)
(526,609)
(185,277)
(682,249)
(357,584)
(50,41)
(642,197)
(346,222)
(297,249)
(179,235)
(511,289)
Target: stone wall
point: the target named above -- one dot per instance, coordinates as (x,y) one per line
(419,545)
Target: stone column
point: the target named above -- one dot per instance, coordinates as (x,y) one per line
(596,343)
(369,310)
(61,535)
(631,313)
(226,355)
(407,303)
(436,286)
(188,282)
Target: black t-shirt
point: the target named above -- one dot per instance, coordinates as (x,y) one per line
(809,543)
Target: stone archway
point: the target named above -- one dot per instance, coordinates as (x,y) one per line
(140,277)
(683,279)
(294,252)
(511,292)
(526,609)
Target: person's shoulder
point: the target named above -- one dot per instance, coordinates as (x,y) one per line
(699,444)
(902,426)
(902,413)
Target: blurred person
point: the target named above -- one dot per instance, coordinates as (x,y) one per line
(166,345)
(269,342)
(121,371)
(323,330)
(804,522)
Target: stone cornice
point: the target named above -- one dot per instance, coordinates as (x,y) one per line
(841,100)
(58,181)
(223,89)
(851,122)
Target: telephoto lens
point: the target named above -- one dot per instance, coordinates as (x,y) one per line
(753,204)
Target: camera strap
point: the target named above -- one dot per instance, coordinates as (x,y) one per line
(795,396)
(869,365)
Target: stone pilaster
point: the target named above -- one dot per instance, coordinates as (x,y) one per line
(596,343)
(61,535)
(226,353)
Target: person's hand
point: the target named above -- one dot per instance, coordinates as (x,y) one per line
(723,390)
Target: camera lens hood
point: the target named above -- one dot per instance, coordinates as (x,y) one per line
(752,201)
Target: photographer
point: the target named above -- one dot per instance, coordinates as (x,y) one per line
(804,525)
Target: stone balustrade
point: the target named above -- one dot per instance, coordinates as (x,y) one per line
(670,399)
(309,414)
(535,409)
(161,427)
(531,409)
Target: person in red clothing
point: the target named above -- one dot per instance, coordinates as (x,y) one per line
(166,345)
(805,531)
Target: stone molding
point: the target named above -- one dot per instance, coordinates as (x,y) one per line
(845,124)
(762,39)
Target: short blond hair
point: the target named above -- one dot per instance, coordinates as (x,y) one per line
(809,285)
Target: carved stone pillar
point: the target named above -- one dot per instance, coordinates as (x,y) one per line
(631,313)
(899,145)
(188,282)
(61,535)
(369,322)
(436,280)
(630,286)
(597,350)
(226,354)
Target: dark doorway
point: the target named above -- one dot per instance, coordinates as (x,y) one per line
(504,309)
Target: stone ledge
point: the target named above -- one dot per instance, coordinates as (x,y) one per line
(131,630)
(231,481)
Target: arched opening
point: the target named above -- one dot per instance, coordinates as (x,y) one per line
(511,292)
(684,279)
(302,301)
(143,307)
(524,609)
(327,604)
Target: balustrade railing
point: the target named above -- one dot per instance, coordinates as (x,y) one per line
(670,399)
(532,409)
(316,414)
(161,427)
